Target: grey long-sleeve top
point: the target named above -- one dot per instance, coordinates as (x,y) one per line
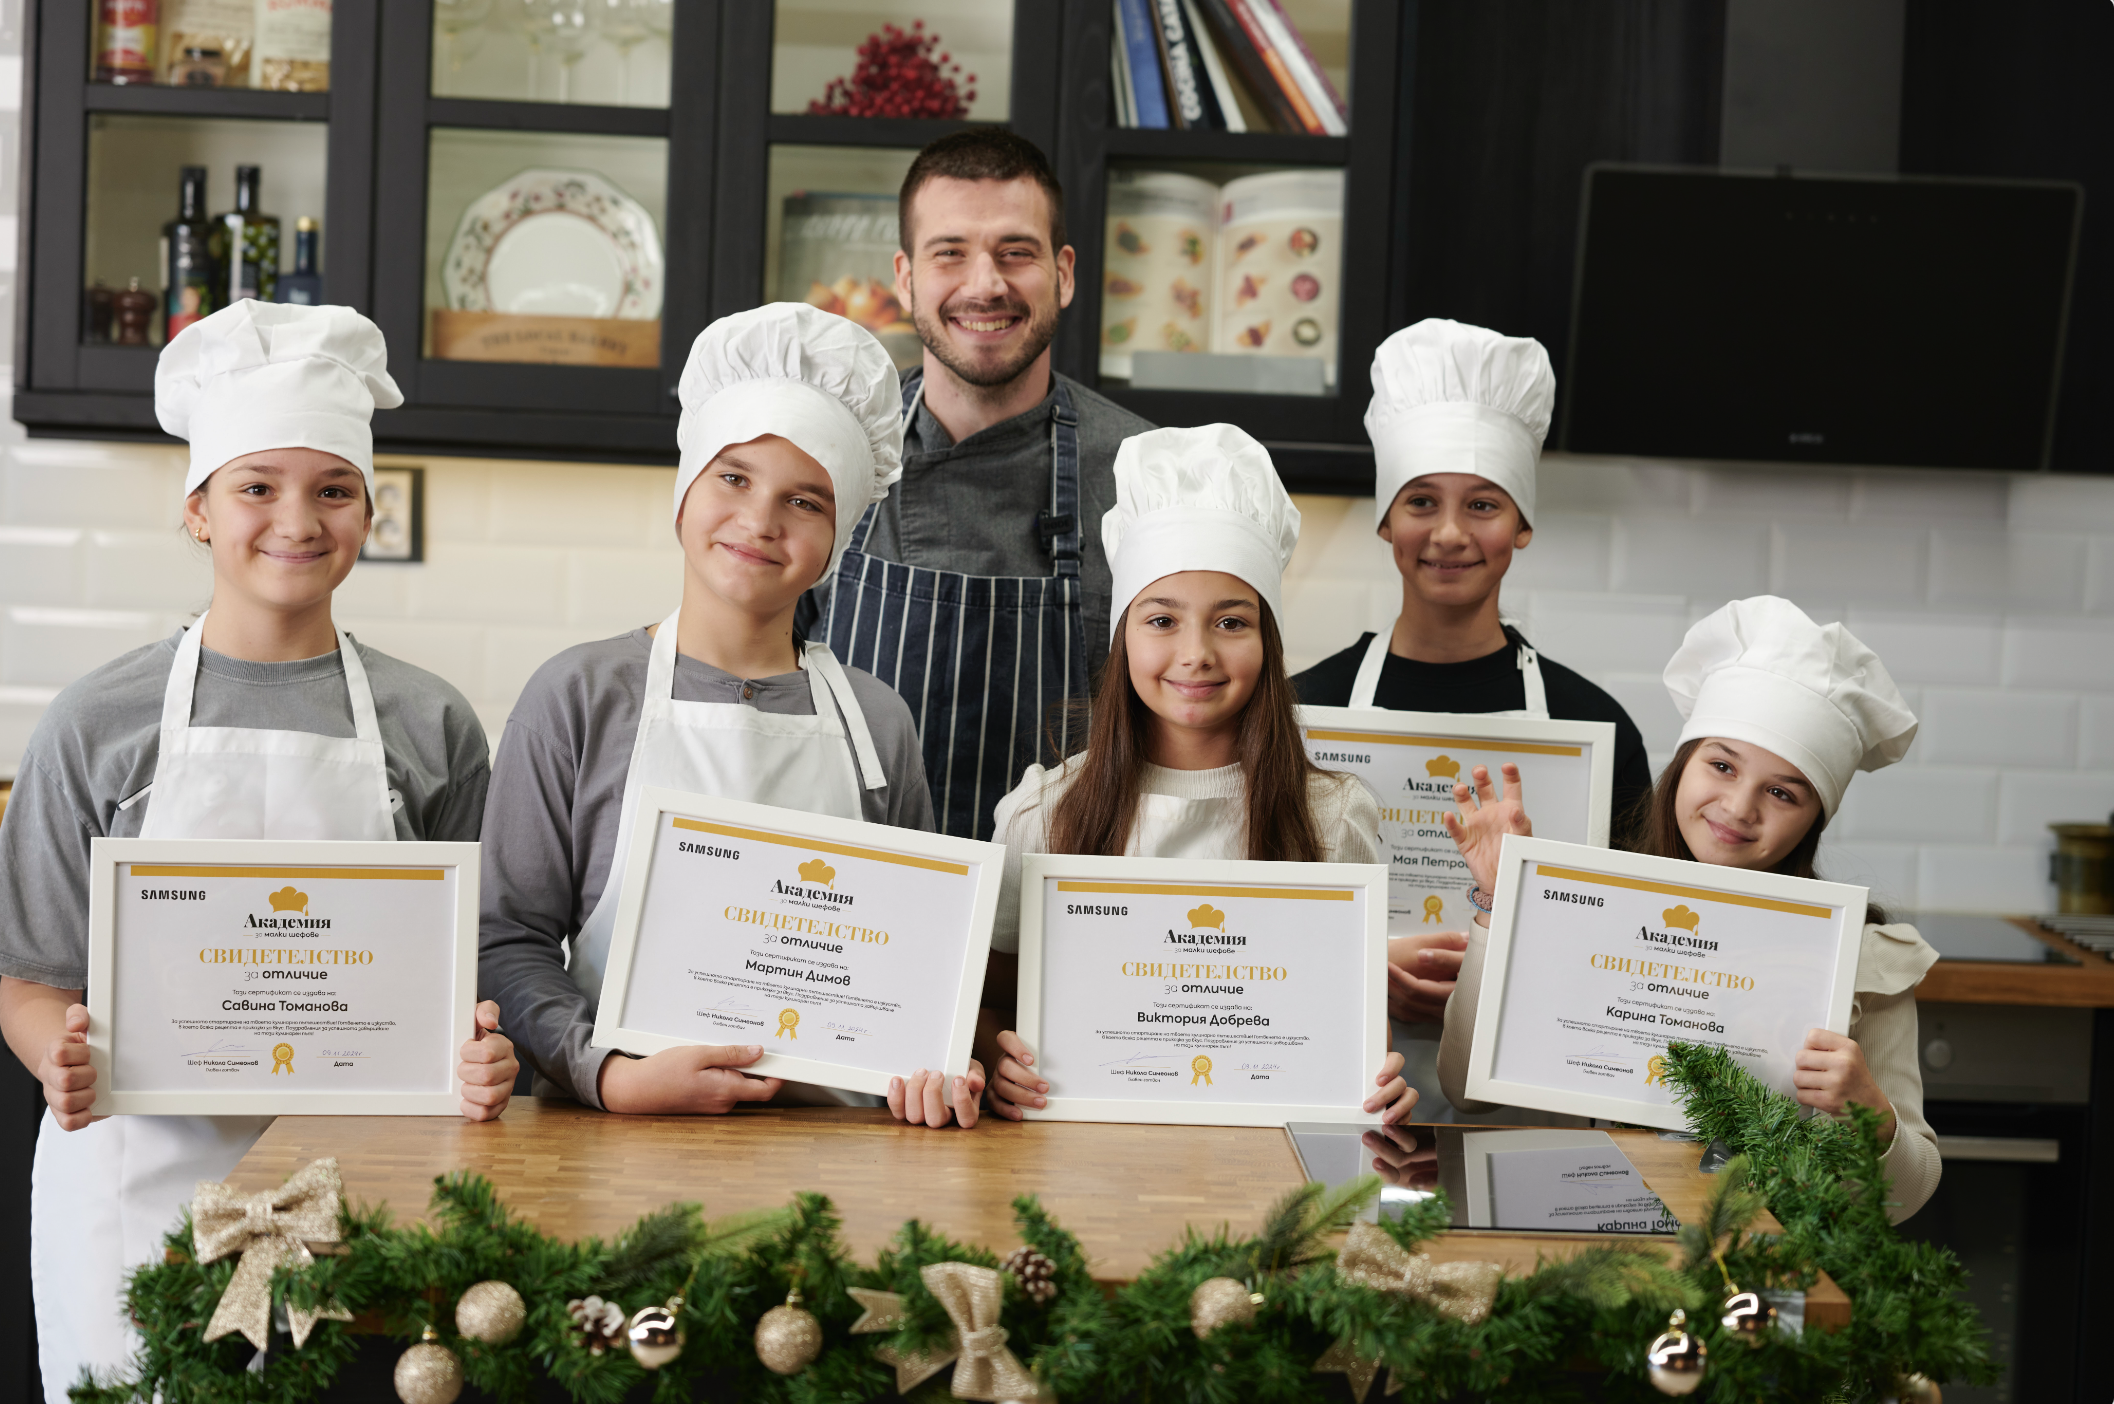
(1890,963)
(550,825)
(99,743)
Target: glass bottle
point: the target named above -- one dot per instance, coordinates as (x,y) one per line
(125,41)
(249,242)
(304,285)
(190,277)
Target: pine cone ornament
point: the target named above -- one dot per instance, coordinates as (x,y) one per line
(597,1324)
(1036,1274)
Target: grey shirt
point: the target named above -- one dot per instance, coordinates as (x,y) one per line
(98,742)
(971,506)
(551,827)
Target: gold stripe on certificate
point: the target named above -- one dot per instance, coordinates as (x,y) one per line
(842,850)
(1189,889)
(1668,889)
(215,870)
(1464,743)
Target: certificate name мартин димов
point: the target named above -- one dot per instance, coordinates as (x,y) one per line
(1204,991)
(828,951)
(265,978)
(1605,971)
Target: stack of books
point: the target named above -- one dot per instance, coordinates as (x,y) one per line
(1188,65)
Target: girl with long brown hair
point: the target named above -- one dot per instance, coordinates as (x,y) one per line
(1194,749)
(1781,713)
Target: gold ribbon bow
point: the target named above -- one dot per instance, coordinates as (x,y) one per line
(268,1229)
(1464,1291)
(983,1367)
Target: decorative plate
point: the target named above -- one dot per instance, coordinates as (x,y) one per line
(555,243)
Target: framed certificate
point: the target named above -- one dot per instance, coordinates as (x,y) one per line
(1203,991)
(852,952)
(1598,959)
(230,978)
(1411,761)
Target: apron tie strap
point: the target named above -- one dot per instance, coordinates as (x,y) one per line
(827,676)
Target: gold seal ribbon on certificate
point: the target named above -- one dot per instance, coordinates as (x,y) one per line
(788,1023)
(283,1057)
(1464,1291)
(1200,1067)
(983,1366)
(269,1228)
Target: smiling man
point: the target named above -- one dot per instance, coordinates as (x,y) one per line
(1457,421)
(978,589)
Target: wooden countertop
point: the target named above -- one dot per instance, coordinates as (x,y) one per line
(1126,1191)
(2088,984)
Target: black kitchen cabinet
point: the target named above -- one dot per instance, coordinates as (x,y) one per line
(381,157)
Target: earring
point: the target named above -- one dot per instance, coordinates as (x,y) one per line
(199,534)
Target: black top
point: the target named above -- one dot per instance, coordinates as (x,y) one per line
(1491,683)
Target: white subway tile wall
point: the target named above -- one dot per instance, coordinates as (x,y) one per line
(1990,597)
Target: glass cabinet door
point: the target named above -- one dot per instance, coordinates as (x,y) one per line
(545,247)
(598,52)
(872,58)
(280,45)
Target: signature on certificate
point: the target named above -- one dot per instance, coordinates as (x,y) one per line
(221,1046)
(735,1002)
(1138,1059)
(847,1028)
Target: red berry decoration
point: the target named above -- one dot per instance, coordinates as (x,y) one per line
(900,73)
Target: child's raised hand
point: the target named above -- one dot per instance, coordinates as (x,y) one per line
(69,1082)
(928,1097)
(1016,1084)
(1396,1098)
(1480,832)
(488,1067)
(1831,1073)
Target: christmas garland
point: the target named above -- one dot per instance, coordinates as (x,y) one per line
(770,1306)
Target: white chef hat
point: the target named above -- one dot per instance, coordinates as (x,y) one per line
(1760,671)
(809,376)
(1197,499)
(1451,398)
(266,375)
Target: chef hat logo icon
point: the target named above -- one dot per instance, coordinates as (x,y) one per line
(815,870)
(1208,915)
(1443,765)
(1682,917)
(287,899)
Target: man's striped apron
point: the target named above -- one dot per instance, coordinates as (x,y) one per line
(986,662)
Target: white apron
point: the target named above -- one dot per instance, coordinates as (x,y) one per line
(727,749)
(1419,1043)
(102,1197)
(1367,683)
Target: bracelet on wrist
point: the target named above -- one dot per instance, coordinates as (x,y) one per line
(1479,899)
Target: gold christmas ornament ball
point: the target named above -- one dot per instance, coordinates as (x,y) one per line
(1219,1301)
(491,1312)
(788,1339)
(1676,1358)
(1747,1317)
(428,1373)
(1916,1389)
(655,1336)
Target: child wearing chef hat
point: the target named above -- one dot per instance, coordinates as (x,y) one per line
(1457,420)
(1194,749)
(1781,714)
(790,429)
(177,740)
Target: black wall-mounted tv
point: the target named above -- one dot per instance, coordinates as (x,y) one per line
(1818,318)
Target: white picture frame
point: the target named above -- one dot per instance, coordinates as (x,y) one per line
(1829,975)
(824,834)
(1201,877)
(1426,872)
(308,862)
